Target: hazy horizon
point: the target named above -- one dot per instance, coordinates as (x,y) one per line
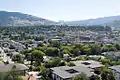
(67,10)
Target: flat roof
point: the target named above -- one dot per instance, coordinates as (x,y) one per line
(116,68)
(61,71)
(91,64)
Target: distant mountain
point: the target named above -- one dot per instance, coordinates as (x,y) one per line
(110,21)
(20,19)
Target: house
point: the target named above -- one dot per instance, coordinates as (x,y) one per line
(116,71)
(88,64)
(67,73)
(96,57)
(6,67)
(112,55)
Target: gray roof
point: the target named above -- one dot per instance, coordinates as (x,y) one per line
(112,53)
(8,67)
(116,68)
(61,71)
(92,64)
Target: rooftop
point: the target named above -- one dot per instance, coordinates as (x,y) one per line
(89,64)
(66,72)
(112,53)
(5,67)
(116,68)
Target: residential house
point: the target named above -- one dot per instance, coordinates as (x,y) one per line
(67,73)
(6,67)
(112,55)
(96,57)
(116,71)
(88,64)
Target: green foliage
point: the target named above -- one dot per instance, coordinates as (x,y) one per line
(17,58)
(53,63)
(81,76)
(108,62)
(42,68)
(95,49)
(10,76)
(43,48)
(38,52)
(107,74)
(40,44)
(52,51)
(117,46)
(95,77)
(76,52)
(78,45)
(86,50)
(80,58)
(105,69)
(105,61)
(71,64)
(45,74)
(29,41)
(65,51)
(1,59)
(54,43)
(37,56)
(109,47)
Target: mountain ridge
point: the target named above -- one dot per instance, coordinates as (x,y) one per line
(109,21)
(21,19)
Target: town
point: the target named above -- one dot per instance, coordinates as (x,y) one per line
(59,52)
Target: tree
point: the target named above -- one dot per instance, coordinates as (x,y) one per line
(76,52)
(69,48)
(117,46)
(40,44)
(45,74)
(43,48)
(53,63)
(65,51)
(81,76)
(12,75)
(54,43)
(17,58)
(105,61)
(86,49)
(94,77)
(5,76)
(51,51)
(80,58)
(37,56)
(29,41)
(109,47)
(95,49)
(107,74)
(71,64)
(78,45)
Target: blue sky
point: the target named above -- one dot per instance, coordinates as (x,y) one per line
(66,10)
